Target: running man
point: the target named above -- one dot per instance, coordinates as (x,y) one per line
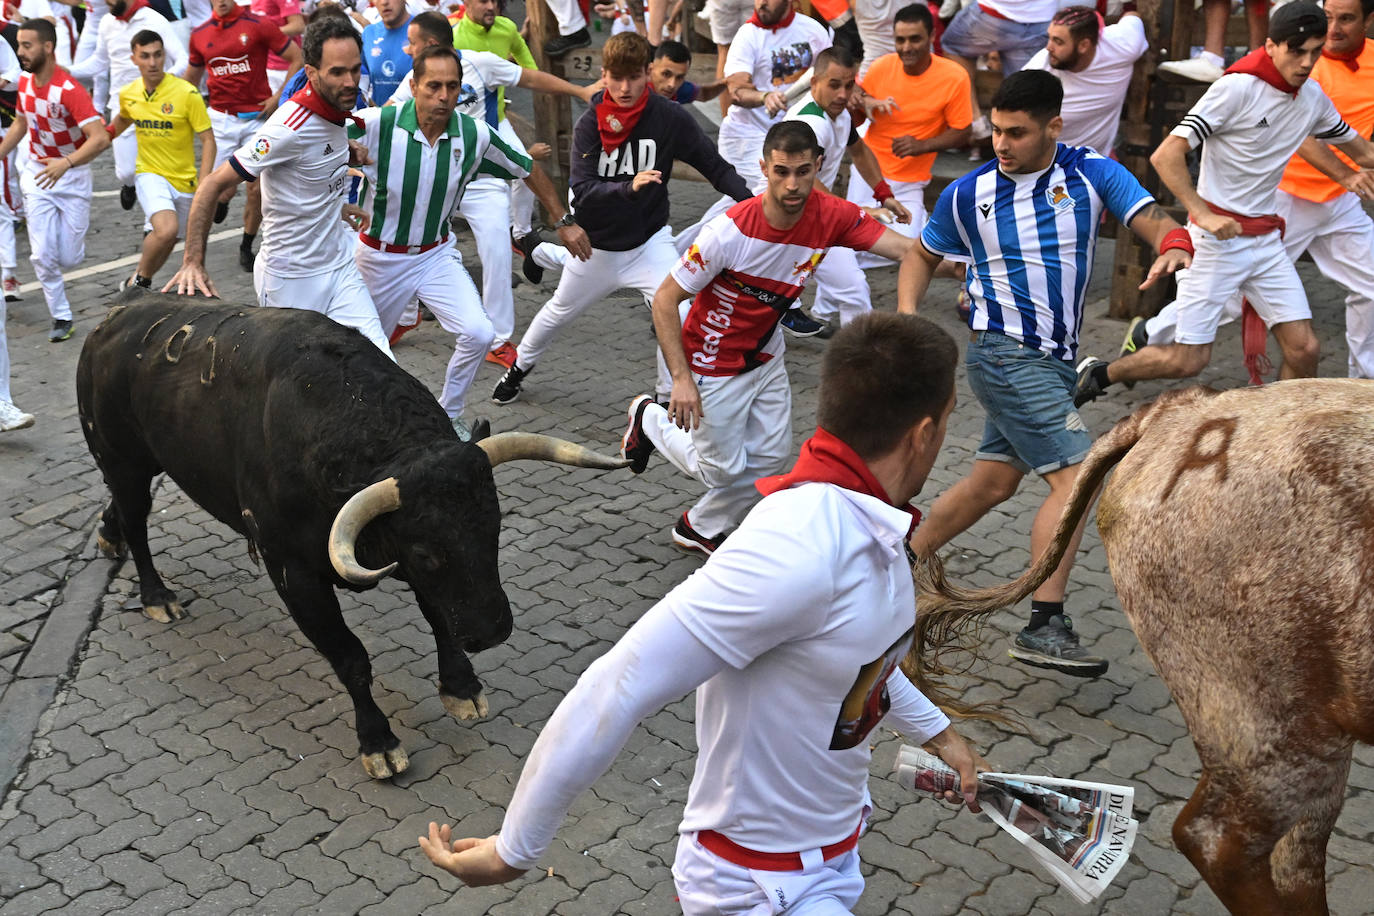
(729,415)
(1254,118)
(411,189)
(65,133)
(169,114)
(790,635)
(1027,225)
(302,156)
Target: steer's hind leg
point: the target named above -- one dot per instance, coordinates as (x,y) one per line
(1299,859)
(109,536)
(315,608)
(131,498)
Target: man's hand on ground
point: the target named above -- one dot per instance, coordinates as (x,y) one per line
(473,861)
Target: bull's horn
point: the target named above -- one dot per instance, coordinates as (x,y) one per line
(513,446)
(362,507)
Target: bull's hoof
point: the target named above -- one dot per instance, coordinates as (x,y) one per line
(463,708)
(165,613)
(386,764)
(113,549)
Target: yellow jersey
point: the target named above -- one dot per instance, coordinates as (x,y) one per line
(167,120)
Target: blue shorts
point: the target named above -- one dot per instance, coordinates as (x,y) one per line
(1028,395)
(973,33)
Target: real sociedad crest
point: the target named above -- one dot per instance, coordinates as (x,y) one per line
(1059,198)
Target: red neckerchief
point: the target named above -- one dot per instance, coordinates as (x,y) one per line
(310,100)
(223,21)
(1351,59)
(782,23)
(1259,65)
(615,123)
(133,7)
(825,458)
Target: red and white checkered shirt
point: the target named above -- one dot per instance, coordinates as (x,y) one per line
(56,113)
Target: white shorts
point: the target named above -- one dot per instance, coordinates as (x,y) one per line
(231,132)
(707,883)
(275,79)
(726,17)
(1256,266)
(156,194)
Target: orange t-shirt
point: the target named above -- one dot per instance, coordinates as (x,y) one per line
(1352,92)
(927,105)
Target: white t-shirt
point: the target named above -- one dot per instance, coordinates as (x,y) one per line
(874,19)
(302,161)
(774,59)
(1252,129)
(783,732)
(112,49)
(833,134)
(1092,98)
(483,74)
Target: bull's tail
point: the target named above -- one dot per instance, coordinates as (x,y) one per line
(949,617)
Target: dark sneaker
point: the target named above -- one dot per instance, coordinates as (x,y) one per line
(246,257)
(221,210)
(61,330)
(1055,646)
(508,389)
(686,537)
(562,44)
(128,196)
(1086,388)
(525,245)
(1137,338)
(634,445)
(796,323)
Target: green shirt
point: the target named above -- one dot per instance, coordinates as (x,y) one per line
(502,39)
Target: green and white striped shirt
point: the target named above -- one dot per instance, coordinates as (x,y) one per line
(410,188)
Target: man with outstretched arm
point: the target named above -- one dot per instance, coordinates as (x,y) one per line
(1026,226)
(790,634)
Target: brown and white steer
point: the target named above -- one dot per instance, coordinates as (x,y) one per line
(1240,532)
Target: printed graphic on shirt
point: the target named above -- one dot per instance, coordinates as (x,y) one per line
(630,158)
(867,701)
(790,62)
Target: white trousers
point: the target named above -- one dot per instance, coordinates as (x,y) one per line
(708,885)
(125,156)
(911,194)
(58,218)
(842,292)
(486,207)
(744,154)
(521,197)
(584,283)
(5,397)
(745,434)
(569,16)
(437,276)
(339,294)
(1340,237)
(11,206)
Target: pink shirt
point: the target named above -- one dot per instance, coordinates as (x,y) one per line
(276,12)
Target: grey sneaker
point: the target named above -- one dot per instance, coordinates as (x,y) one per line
(1086,388)
(1055,646)
(61,330)
(461,427)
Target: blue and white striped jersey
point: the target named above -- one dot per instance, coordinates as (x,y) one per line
(1029,241)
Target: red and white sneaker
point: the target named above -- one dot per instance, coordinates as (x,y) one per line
(11,286)
(503,355)
(401,330)
(688,538)
(635,447)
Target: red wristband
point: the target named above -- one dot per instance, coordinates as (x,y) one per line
(109,129)
(882,191)
(1177,238)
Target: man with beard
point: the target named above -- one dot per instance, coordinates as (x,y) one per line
(410,190)
(64,133)
(729,416)
(623,151)
(302,156)
(110,56)
(1095,65)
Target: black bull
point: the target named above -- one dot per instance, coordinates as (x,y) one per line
(337,466)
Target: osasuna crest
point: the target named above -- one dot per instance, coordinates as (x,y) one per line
(614,124)
(1059,198)
(243,39)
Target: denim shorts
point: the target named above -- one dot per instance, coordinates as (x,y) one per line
(1028,395)
(973,33)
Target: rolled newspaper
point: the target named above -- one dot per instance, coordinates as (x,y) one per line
(1080,832)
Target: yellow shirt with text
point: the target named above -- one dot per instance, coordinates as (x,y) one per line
(167,121)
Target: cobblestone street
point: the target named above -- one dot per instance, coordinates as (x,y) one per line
(210,766)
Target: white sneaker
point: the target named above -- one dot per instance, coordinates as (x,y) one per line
(12,418)
(980,129)
(1203,71)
